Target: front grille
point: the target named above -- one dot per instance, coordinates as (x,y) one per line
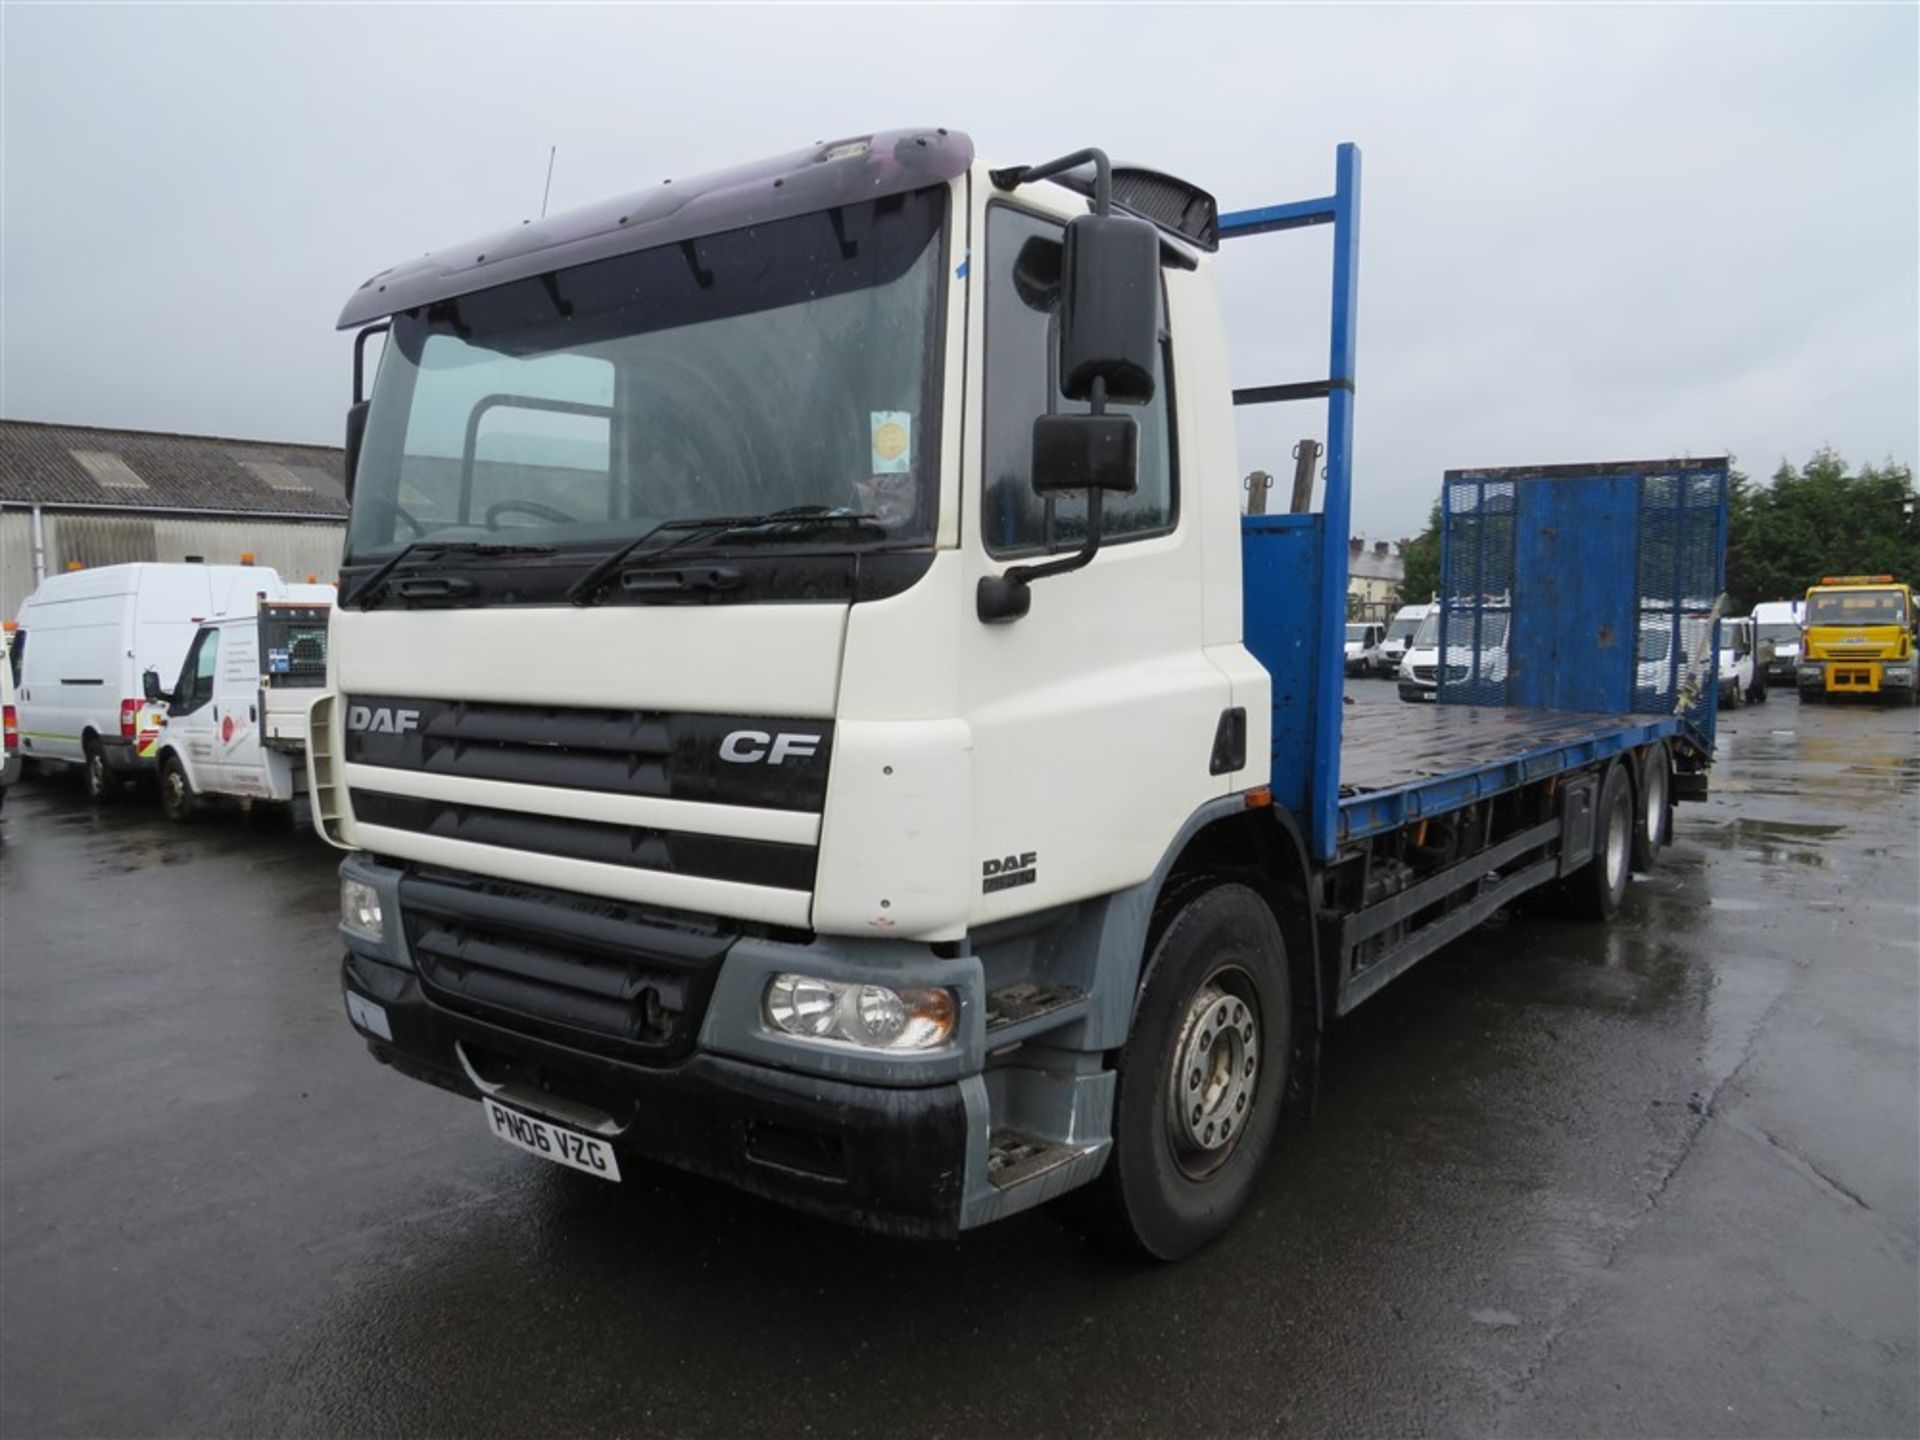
(593,975)
(775,764)
(677,852)
(1424,673)
(1854,652)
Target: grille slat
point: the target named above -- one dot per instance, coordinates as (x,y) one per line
(670,756)
(601,977)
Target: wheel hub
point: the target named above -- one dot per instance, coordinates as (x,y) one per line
(1216,1071)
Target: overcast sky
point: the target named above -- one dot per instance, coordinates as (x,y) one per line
(1588,233)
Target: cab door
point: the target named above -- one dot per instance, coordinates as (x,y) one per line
(191,725)
(1094,716)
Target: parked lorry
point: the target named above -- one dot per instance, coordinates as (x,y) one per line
(871,761)
(1777,635)
(1859,639)
(233,725)
(85,637)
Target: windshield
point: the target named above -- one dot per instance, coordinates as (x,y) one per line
(1775,634)
(1493,631)
(1401,629)
(785,366)
(1356,634)
(1857,607)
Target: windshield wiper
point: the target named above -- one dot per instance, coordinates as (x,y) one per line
(368,592)
(592,586)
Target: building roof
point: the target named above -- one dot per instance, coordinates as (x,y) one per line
(1371,564)
(57,465)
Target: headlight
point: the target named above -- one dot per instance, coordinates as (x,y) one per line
(873,1017)
(1809,672)
(1899,675)
(360,910)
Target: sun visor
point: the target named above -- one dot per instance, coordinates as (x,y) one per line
(836,173)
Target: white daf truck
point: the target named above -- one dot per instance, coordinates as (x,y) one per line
(804,705)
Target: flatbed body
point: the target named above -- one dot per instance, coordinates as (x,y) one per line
(1402,763)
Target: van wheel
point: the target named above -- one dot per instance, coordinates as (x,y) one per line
(1200,1080)
(100,783)
(1653,824)
(177,800)
(1597,888)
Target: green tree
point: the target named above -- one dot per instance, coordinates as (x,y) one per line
(1820,519)
(1421,558)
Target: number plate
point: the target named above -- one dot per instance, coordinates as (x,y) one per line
(550,1142)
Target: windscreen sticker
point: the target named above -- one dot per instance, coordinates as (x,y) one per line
(279,662)
(892,442)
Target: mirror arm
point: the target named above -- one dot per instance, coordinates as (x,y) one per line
(1018,175)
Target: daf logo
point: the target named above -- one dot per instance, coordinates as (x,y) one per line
(381,720)
(751,747)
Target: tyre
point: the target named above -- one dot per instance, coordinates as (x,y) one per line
(99,780)
(1732,698)
(1810,696)
(1653,817)
(177,800)
(1200,1080)
(1597,888)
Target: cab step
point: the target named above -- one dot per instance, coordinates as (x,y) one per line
(1026,1004)
(1015,1157)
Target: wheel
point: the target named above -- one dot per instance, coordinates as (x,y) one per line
(99,779)
(1200,1080)
(1598,887)
(177,801)
(1732,699)
(1653,824)
(1810,696)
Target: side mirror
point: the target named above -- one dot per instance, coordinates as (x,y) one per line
(1109,308)
(356,432)
(150,687)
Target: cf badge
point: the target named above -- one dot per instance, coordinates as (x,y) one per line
(755,747)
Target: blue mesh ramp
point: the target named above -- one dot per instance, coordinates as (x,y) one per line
(1585,588)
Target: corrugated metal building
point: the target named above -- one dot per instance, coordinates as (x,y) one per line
(104,497)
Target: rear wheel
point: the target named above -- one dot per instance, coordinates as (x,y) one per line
(99,779)
(177,801)
(1200,1080)
(1598,887)
(1653,824)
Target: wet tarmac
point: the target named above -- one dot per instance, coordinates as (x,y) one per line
(1657,1179)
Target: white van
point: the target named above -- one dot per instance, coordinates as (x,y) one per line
(1400,632)
(87,635)
(1743,679)
(234,721)
(10,765)
(1777,626)
(1363,647)
(1420,670)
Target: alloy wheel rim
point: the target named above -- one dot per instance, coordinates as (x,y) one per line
(1215,1072)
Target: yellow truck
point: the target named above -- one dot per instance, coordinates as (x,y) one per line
(1859,639)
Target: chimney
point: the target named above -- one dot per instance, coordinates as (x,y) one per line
(1379,547)
(1356,544)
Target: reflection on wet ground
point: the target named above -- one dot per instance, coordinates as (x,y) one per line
(1655,1178)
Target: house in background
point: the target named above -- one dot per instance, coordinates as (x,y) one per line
(71,493)
(1373,579)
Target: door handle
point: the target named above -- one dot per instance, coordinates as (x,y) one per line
(253,714)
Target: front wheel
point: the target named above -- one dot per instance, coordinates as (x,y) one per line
(176,791)
(1200,1079)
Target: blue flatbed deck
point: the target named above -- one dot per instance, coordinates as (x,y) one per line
(1406,762)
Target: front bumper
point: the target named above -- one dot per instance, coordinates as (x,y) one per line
(887,1159)
(1415,691)
(1855,677)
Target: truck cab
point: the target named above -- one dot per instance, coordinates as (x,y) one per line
(1859,640)
(1400,632)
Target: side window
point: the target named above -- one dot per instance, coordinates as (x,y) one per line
(1023,261)
(196,675)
